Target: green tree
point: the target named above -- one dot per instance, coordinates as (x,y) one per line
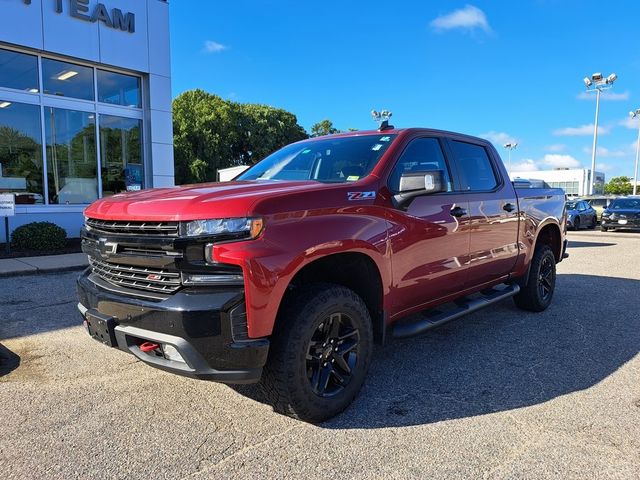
(619,186)
(325,127)
(211,133)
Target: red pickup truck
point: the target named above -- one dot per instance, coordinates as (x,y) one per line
(289,274)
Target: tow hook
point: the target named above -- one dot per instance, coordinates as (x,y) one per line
(148,347)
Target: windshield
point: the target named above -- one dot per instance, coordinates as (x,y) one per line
(330,160)
(625,203)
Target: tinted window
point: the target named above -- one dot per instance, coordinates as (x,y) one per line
(625,203)
(476,170)
(21,152)
(118,89)
(120,154)
(422,154)
(67,79)
(330,159)
(71,156)
(18,71)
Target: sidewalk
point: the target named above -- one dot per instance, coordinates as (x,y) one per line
(49,263)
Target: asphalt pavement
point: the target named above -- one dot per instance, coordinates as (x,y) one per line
(501,393)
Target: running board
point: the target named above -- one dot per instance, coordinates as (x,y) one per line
(465,305)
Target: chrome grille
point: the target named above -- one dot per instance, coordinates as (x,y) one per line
(149,279)
(137,228)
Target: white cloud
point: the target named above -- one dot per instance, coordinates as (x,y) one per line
(629,122)
(468,18)
(607,95)
(526,165)
(605,152)
(582,130)
(214,47)
(556,148)
(603,167)
(554,160)
(498,138)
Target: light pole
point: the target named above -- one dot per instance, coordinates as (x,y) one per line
(597,83)
(635,169)
(510,146)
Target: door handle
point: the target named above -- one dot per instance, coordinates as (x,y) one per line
(509,207)
(458,212)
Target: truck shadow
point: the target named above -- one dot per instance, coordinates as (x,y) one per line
(577,244)
(9,361)
(500,359)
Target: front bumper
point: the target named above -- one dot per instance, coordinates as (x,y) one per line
(631,223)
(205,325)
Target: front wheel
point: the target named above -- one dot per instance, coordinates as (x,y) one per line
(320,353)
(603,228)
(537,294)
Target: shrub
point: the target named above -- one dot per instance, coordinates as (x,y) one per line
(39,236)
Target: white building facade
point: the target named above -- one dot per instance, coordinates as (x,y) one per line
(574,181)
(85,104)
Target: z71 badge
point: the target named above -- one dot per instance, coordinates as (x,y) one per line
(361,196)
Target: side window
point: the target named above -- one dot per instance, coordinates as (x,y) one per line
(475,167)
(582,206)
(422,154)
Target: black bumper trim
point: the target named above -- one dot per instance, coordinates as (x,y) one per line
(195,366)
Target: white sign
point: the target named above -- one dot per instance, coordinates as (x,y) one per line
(7,205)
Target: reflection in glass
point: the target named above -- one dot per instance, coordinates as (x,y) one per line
(21,152)
(120,154)
(71,156)
(118,89)
(18,71)
(67,79)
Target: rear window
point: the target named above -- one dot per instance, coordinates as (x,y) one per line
(476,170)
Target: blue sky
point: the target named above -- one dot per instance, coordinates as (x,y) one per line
(503,70)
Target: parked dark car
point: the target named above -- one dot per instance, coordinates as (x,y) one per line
(580,214)
(622,213)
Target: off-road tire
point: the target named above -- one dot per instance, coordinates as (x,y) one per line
(531,296)
(285,379)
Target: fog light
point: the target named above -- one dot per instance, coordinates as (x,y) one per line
(171,353)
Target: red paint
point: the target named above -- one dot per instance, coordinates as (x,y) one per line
(424,255)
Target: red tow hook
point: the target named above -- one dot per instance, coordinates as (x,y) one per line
(148,347)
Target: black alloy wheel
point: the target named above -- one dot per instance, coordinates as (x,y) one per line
(332,355)
(546,278)
(320,352)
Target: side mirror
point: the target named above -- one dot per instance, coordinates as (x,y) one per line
(416,184)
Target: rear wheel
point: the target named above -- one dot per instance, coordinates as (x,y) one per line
(537,294)
(320,353)
(594,222)
(576,223)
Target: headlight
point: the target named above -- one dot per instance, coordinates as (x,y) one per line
(242,227)
(606,214)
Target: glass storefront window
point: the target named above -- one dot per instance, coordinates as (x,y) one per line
(21,152)
(118,89)
(67,79)
(120,154)
(71,156)
(18,71)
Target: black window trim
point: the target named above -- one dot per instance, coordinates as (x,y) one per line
(445,155)
(500,183)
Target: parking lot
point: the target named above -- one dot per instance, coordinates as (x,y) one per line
(499,394)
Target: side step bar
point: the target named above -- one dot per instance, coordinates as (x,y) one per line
(465,305)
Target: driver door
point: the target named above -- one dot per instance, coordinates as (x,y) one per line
(430,238)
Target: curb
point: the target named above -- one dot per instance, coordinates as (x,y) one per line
(39,271)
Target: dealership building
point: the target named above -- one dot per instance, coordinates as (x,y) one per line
(574,181)
(85,104)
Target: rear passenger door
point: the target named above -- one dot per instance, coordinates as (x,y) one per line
(493,211)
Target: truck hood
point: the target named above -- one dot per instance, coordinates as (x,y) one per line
(194,202)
